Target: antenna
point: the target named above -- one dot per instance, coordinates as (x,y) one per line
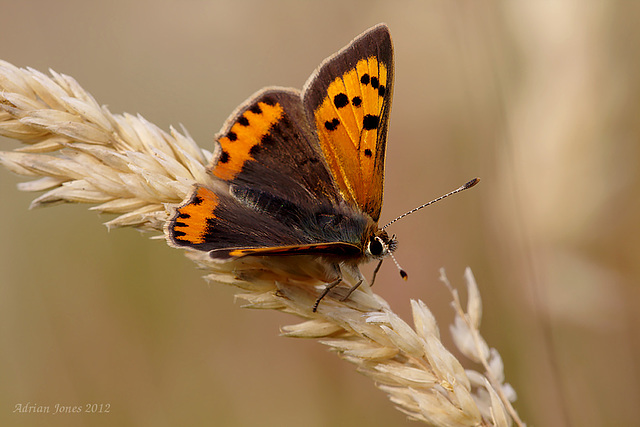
(466,186)
(403,273)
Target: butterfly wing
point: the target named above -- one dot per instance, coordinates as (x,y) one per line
(268,144)
(348,99)
(276,194)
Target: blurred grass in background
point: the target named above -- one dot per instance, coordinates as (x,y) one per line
(539,99)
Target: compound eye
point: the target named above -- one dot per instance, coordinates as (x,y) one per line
(375,247)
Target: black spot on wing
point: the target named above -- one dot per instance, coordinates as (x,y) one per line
(356,101)
(332,125)
(243,121)
(255,109)
(364,79)
(374,82)
(232,136)
(224,157)
(370,122)
(341,100)
(367,152)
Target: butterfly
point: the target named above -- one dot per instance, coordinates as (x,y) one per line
(302,173)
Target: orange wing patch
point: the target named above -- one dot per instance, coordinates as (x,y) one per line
(246,133)
(191,222)
(349,123)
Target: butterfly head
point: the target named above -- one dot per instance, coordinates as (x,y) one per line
(380,245)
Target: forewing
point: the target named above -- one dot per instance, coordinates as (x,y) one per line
(268,144)
(349,100)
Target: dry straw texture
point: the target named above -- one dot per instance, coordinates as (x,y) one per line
(78,152)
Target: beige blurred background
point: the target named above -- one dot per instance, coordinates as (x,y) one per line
(539,99)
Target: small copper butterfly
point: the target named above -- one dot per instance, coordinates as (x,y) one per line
(303,172)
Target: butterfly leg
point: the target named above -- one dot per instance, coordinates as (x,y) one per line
(326,291)
(353,288)
(357,274)
(338,275)
(375,272)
